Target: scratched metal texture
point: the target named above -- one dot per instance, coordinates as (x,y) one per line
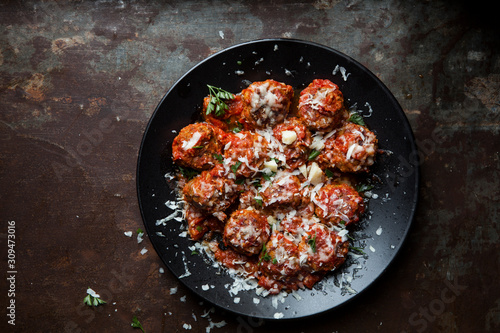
(80,79)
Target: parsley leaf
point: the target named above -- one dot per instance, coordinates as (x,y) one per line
(235,166)
(314,153)
(329,173)
(357,249)
(356,118)
(312,242)
(216,103)
(219,157)
(264,255)
(136,324)
(188,172)
(364,187)
(93,301)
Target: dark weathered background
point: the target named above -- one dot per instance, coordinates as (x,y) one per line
(80,79)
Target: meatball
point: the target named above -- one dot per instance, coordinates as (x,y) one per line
(196,145)
(351,149)
(268,103)
(212,191)
(321,249)
(247,152)
(338,204)
(280,257)
(199,223)
(232,259)
(246,231)
(283,190)
(321,106)
(296,138)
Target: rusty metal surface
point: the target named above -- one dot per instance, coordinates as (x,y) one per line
(79,81)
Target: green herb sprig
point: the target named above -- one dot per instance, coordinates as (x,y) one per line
(136,324)
(235,166)
(364,187)
(356,249)
(312,242)
(265,256)
(93,301)
(217,102)
(314,153)
(356,118)
(188,172)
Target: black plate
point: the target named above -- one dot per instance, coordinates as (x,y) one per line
(296,63)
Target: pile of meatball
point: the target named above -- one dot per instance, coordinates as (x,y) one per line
(268,190)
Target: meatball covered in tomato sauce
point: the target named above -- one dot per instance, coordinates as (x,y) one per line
(321,105)
(321,249)
(279,259)
(246,231)
(268,103)
(246,152)
(212,191)
(338,204)
(196,145)
(352,149)
(284,190)
(296,139)
(199,223)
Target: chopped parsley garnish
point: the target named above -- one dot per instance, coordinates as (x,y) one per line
(312,242)
(240,181)
(139,231)
(357,249)
(267,176)
(219,157)
(188,172)
(136,324)
(216,103)
(258,201)
(235,166)
(314,153)
(356,118)
(329,173)
(257,183)
(264,255)
(93,301)
(238,128)
(198,147)
(364,187)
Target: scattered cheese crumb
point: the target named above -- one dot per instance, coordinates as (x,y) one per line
(128,233)
(379,231)
(93,293)
(143,251)
(278,315)
(288,137)
(372,248)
